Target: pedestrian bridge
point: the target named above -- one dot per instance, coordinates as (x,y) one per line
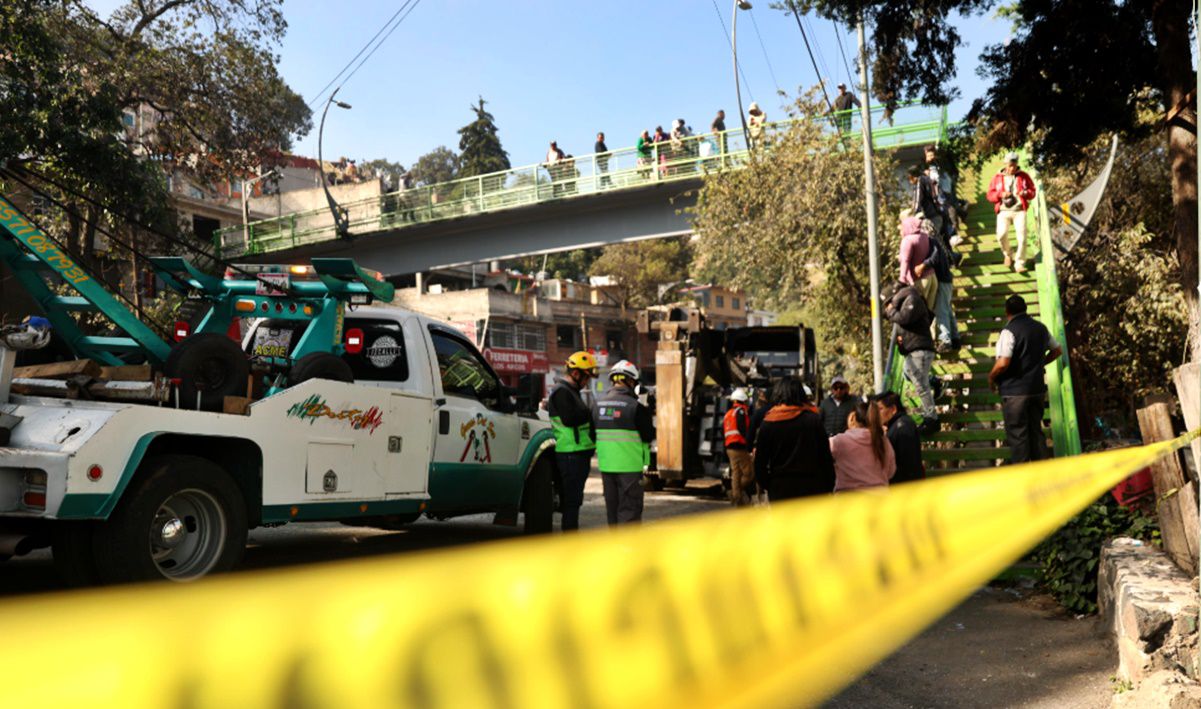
(584,201)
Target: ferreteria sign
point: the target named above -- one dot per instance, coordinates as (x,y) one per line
(506,361)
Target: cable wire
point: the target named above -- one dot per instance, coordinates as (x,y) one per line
(843,52)
(382,29)
(797,15)
(380,43)
(763,46)
(730,43)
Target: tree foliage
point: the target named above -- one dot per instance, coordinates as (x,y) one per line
(790,230)
(195,80)
(480,151)
(638,268)
(572,265)
(1123,266)
(438,165)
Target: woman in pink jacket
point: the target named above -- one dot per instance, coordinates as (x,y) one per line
(863,457)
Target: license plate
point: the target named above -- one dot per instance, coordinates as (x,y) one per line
(271,284)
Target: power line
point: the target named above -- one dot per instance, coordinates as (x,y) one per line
(843,52)
(763,46)
(382,29)
(821,57)
(726,33)
(381,42)
(797,15)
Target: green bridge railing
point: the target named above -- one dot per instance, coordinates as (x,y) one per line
(624,168)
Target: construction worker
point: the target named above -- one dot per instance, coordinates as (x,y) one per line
(736,425)
(571,420)
(624,431)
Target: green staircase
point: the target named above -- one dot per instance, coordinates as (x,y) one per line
(972,435)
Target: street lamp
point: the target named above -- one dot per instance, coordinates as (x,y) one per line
(341,227)
(738,5)
(246,185)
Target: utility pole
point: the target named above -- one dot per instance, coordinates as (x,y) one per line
(869,188)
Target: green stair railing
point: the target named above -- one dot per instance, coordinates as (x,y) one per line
(623,168)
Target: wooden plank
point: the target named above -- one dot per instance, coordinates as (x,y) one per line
(58,370)
(669,411)
(1176,501)
(127,373)
(1188,389)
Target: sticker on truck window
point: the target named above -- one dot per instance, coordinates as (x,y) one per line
(271,342)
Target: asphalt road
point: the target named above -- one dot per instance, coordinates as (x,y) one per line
(303,543)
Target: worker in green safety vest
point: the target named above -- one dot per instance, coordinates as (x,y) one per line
(624,431)
(571,420)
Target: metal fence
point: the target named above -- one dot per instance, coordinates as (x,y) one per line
(667,161)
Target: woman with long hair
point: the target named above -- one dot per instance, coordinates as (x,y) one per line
(792,456)
(863,455)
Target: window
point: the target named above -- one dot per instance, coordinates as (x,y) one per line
(502,334)
(463,371)
(736,303)
(383,357)
(567,336)
(721,301)
(704,299)
(127,119)
(613,340)
(531,337)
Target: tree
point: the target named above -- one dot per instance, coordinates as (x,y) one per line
(1075,70)
(196,80)
(572,265)
(638,268)
(795,245)
(390,172)
(438,165)
(480,152)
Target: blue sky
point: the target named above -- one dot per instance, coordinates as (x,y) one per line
(556,69)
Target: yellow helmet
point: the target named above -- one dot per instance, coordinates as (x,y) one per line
(582,360)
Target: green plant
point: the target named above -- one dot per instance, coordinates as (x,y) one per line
(1070,556)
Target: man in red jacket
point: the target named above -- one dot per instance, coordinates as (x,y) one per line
(1010,192)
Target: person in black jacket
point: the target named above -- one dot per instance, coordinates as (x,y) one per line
(903,435)
(792,452)
(906,309)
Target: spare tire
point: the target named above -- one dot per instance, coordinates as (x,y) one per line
(320,365)
(210,366)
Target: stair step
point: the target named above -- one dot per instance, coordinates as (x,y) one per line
(990,279)
(967,454)
(74,302)
(972,434)
(946,367)
(991,311)
(972,399)
(939,472)
(975,269)
(110,344)
(976,417)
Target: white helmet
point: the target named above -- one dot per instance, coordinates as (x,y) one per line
(739,394)
(624,368)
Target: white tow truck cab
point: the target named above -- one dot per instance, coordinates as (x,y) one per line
(125,490)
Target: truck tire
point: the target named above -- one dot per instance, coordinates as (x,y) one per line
(183,519)
(74,557)
(320,365)
(538,498)
(211,366)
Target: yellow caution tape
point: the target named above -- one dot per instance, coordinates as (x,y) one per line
(755,608)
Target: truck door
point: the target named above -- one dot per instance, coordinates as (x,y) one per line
(478,437)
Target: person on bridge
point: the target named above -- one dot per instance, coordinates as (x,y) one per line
(571,421)
(836,407)
(843,103)
(645,151)
(624,431)
(1024,348)
(718,129)
(792,452)
(736,429)
(602,159)
(903,436)
(906,309)
(1010,192)
(757,120)
(863,456)
(554,156)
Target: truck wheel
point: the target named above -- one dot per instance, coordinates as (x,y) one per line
(211,366)
(320,365)
(74,557)
(538,498)
(183,520)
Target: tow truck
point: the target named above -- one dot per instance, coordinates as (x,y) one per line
(330,408)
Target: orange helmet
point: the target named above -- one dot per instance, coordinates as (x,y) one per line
(584,361)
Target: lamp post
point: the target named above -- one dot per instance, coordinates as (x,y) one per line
(246,185)
(340,223)
(738,5)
